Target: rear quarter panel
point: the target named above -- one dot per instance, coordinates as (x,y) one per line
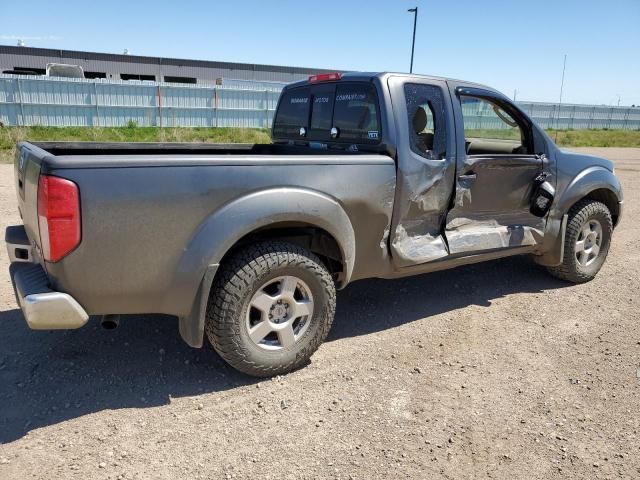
(138,222)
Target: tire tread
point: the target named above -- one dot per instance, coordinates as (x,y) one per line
(578,215)
(236,278)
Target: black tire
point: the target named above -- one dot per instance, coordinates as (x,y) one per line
(579,215)
(240,278)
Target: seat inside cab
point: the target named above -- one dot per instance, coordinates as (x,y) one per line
(423,126)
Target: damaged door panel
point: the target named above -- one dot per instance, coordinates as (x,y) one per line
(426,165)
(496,172)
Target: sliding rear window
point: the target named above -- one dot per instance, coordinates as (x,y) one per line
(350,107)
(293,113)
(355,114)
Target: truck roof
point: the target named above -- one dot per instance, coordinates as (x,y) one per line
(368,76)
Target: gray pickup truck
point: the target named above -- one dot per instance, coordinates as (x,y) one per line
(369,175)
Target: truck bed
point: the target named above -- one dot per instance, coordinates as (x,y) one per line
(56,155)
(144,208)
(162,148)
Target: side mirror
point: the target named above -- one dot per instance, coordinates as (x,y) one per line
(542,196)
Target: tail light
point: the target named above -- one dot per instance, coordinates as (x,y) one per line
(58,217)
(325,77)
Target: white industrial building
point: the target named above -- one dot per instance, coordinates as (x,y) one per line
(22,60)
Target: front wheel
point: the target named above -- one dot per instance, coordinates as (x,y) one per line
(586,243)
(270,308)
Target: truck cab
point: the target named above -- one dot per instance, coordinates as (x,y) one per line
(467,161)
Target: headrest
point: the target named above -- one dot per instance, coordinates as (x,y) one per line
(419,120)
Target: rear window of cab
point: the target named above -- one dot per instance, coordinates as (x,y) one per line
(335,112)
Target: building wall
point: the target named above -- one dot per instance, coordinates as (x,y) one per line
(113,65)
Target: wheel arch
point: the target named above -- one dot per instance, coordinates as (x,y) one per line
(609,198)
(304,217)
(596,183)
(305,234)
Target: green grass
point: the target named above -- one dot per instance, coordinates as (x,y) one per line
(9,136)
(596,138)
(571,138)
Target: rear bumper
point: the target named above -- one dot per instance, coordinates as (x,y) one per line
(19,248)
(43,308)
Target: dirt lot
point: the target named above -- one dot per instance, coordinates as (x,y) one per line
(494,370)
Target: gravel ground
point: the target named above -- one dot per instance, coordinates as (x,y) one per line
(493,370)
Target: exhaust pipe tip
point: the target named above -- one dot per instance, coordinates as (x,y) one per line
(110,322)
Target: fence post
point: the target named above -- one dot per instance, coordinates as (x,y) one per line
(21,122)
(266,109)
(215,103)
(626,117)
(95,92)
(159,106)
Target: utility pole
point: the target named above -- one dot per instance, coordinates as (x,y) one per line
(564,66)
(413,44)
(514,94)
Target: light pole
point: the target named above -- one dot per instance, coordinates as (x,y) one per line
(564,67)
(413,44)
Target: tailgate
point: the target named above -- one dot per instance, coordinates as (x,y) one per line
(27,164)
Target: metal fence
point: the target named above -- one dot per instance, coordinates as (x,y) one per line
(106,103)
(480,115)
(238,103)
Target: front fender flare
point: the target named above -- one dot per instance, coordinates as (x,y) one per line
(587,181)
(222,230)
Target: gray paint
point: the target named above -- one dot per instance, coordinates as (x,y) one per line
(156,227)
(175,221)
(424,189)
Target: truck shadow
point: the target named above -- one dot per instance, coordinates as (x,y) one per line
(373,305)
(51,377)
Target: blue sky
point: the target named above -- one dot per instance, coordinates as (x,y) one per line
(506,44)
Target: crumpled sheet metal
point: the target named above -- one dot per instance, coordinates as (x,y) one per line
(385,239)
(417,235)
(425,184)
(416,249)
(466,235)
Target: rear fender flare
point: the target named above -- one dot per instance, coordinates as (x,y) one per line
(225,227)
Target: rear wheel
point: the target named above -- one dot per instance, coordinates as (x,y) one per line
(270,308)
(586,243)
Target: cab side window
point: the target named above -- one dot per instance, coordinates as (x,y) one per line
(490,129)
(426,116)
